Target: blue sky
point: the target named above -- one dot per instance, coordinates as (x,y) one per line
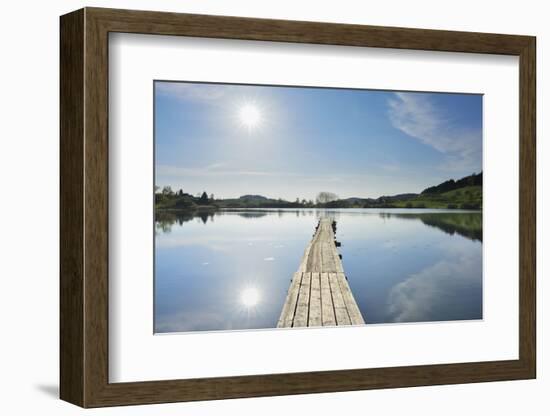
(301,141)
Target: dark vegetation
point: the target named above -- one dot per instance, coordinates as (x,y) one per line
(469,225)
(451,185)
(465,193)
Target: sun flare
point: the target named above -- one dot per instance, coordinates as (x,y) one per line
(250,297)
(250,116)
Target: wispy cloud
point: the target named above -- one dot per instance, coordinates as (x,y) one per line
(431,293)
(416,115)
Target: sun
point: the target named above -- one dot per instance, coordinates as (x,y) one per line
(250,116)
(250,297)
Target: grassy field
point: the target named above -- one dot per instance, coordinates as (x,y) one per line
(469,197)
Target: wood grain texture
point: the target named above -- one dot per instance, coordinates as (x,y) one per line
(84,201)
(289,308)
(312,309)
(351,306)
(527,208)
(340,309)
(328,318)
(302,309)
(71,185)
(226,27)
(315,317)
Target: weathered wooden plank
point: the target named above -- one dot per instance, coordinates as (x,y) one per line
(353,310)
(328,255)
(327,307)
(315,301)
(338,262)
(340,310)
(320,295)
(302,308)
(339,268)
(289,308)
(303,264)
(315,258)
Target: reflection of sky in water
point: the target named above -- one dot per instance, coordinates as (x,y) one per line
(233,271)
(401,270)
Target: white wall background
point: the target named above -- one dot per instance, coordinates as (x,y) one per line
(29,159)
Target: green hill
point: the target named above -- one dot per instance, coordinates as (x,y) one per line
(468,197)
(451,184)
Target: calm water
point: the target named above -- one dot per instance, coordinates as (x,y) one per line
(232,269)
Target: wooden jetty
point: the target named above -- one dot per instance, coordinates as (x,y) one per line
(319,294)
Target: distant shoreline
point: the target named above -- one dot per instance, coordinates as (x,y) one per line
(216,209)
(465,194)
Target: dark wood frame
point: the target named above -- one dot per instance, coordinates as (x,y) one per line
(84,207)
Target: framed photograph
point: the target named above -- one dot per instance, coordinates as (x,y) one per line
(255,207)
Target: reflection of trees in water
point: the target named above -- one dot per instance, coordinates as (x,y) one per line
(327,213)
(163,226)
(251,214)
(258,213)
(467,224)
(164,220)
(205,216)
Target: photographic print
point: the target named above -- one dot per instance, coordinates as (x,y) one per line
(292,207)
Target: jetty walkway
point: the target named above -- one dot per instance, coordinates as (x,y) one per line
(319,293)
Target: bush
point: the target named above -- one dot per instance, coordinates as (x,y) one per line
(470,206)
(451,206)
(184,203)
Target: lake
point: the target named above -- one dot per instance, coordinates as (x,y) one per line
(231,269)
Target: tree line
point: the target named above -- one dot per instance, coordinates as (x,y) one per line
(449,194)
(166,197)
(451,185)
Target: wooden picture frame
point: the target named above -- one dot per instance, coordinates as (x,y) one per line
(84,207)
